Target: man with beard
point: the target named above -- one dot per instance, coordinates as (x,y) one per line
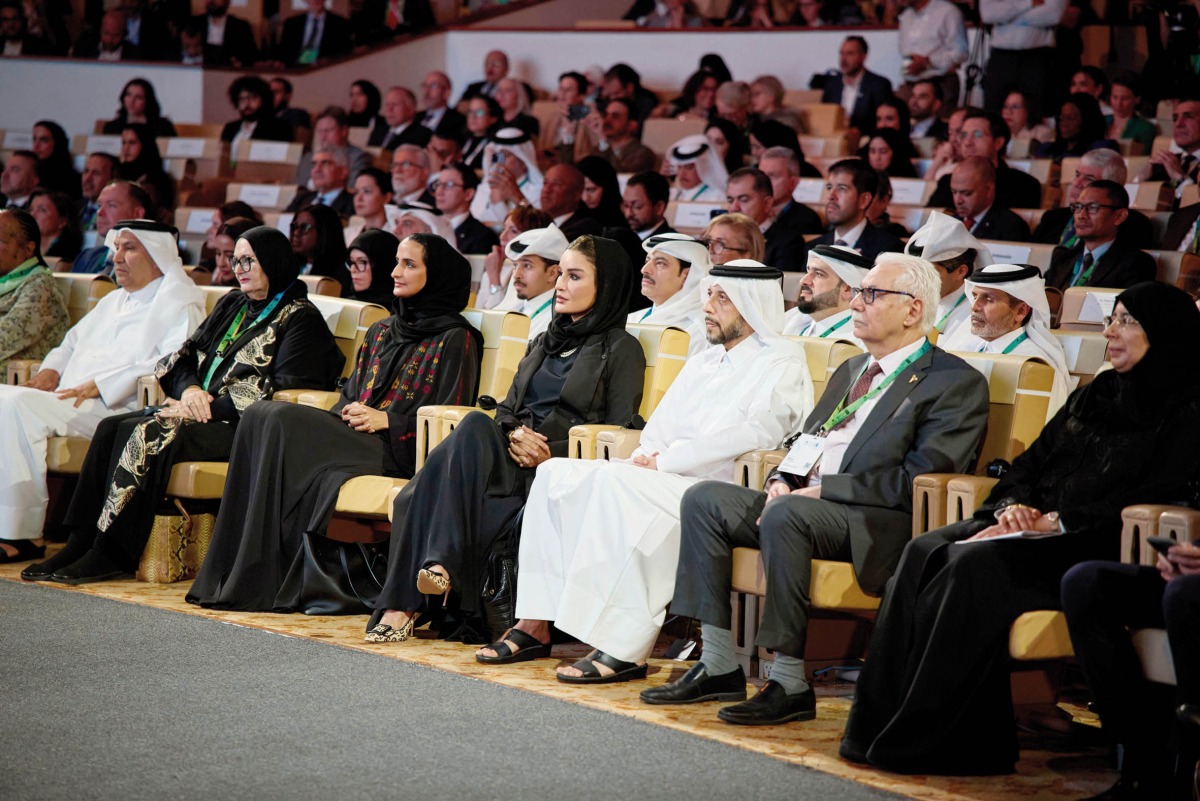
(228,40)
(850,191)
(823,308)
(255,105)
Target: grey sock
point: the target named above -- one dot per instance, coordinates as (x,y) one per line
(718,654)
(789,672)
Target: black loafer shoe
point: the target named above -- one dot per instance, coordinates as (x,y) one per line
(852,753)
(697,685)
(772,706)
(42,571)
(94,566)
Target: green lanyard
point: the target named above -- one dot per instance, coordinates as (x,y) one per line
(541,308)
(232,333)
(1011,345)
(842,413)
(1086,274)
(703,188)
(834,327)
(647,314)
(946,316)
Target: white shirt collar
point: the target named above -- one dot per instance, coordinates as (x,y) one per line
(998,344)
(743,351)
(562,218)
(146,294)
(530,307)
(852,236)
(459,219)
(890,362)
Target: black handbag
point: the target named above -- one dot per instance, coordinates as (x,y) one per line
(499,593)
(329,577)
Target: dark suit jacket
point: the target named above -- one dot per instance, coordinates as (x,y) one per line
(872,242)
(1135,232)
(1178,226)
(452,123)
(239,43)
(663,228)
(269,129)
(368,25)
(474,237)
(335,38)
(1003,225)
(873,90)
(930,420)
(786,248)
(88,46)
(414,134)
(578,225)
(1014,190)
(604,385)
(343,204)
(1119,268)
(476,89)
(939,130)
(91,260)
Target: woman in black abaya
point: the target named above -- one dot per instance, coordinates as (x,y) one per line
(289,461)
(584,369)
(370,259)
(934,695)
(264,338)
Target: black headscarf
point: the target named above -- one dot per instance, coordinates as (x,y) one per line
(773,133)
(380,249)
(447,289)
(274,254)
(613,279)
(328,257)
(600,172)
(735,157)
(57,171)
(368,116)
(1169,318)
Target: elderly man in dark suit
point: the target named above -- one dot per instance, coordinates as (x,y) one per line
(850,191)
(1099,259)
(973,187)
(329,170)
(854,87)
(844,492)
(315,36)
(1181,230)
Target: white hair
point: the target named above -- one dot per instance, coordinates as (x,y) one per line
(919,278)
(1111,164)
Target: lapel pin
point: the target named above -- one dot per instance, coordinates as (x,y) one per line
(912,380)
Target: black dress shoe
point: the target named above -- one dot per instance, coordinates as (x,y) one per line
(1189,716)
(852,753)
(94,566)
(697,685)
(772,706)
(42,571)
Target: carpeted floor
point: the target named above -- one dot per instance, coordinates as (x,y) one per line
(265,707)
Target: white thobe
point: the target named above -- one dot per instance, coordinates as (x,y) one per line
(685,316)
(953,311)
(600,540)
(699,194)
(114,344)
(836,326)
(540,311)
(966,342)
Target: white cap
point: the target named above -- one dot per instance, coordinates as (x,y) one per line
(548,243)
(942,237)
(850,265)
(681,246)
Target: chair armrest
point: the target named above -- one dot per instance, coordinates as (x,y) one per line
(433,426)
(317,398)
(21,370)
(149,393)
(581,440)
(619,444)
(1152,520)
(751,469)
(942,498)
(453,415)
(965,494)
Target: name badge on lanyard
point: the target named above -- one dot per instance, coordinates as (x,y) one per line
(804,455)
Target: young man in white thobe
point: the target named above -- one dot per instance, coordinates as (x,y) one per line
(94,373)
(675,266)
(600,540)
(700,175)
(947,243)
(536,254)
(823,310)
(1010,316)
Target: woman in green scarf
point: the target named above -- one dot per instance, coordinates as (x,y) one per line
(33,315)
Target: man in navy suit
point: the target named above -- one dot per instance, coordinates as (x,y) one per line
(1099,259)
(854,87)
(228,40)
(315,36)
(973,187)
(850,192)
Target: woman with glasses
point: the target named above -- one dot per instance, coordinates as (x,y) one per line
(289,462)
(371,257)
(319,244)
(266,337)
(483,117)
(934,697)
(1023,119)
(734,236)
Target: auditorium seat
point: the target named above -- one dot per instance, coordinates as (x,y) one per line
(1034,253)
(191,158)
(823,119)
(1086,352)
(322,285)
(1080,314)
(262,196)
(659,133)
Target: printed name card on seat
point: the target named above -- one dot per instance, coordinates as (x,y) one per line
(266,162)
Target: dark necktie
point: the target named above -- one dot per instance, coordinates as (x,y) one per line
(310,42)
(840,242)
(861,387)
(1085,271)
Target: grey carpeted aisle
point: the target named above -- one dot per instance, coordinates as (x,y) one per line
(107,700)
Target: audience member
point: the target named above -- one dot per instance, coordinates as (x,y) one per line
(410,175)
(644,204)
(1092,81)
(372,191)
(771,133)
(317,35)
(675,266)
(618,139)
(947,244)
(191,45)
(612,589)
(926,100)
(33,317)
(822,507)
(496,290)
(536,254)
(697,101)
(973,187)
(1024,120)
(15,38)
(482,117)
(365,101)
(893,113)
(850,190)
(878,214)
(436,115)
(377,21)
(1022,49)
(369,258)
(755,14)
(444,521)
(319,245)
(1124,122)
(1099,259)
(224,240)
(623,82)
(733,104)
(781,166)
(93,374)
(331,128)
(699,173)
(19,178)
(142,163)
(119,200)
(947,154)
(751,192)
(1080,128)
(733,236)
(297,119)
(153,29)
(55,169)
(400,123)
(672,14)
(728,142)
(455,188)
(1057,226)
(445,147)
(889,151)
(570,137)
(985,134)
(822,310)
(766,101)
(514,107)
(419,218)
(932,44)
(601,192)
(139,104)
(228,40)
(328,179)
(55,215)
(855,88)
(824,13)
(1179,164)
(252,98)
(98,170)
(1181,229)
(110,42)
(220,215)
(259,536)
(510,176)
(495,67)
(1127,437)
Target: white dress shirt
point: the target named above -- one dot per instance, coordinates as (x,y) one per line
(936,32)
(1019,24)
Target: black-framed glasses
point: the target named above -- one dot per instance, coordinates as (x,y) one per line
(719,246)
(1091,208)
(869,293)
(358,265)
(243,264)
(1122,321)
(436,185)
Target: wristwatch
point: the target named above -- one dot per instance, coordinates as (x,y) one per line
(493,289)
(1054,518)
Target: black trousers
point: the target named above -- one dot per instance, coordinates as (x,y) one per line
(716,517)
(1026,70)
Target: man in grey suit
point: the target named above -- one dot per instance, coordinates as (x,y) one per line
(843,493)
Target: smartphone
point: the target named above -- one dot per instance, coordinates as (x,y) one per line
(1161,544)
(498,157)
(576,112)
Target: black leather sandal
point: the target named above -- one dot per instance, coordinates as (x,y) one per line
(528,648)
(26,550)
(622,671)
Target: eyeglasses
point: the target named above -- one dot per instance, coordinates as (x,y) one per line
(1091,208)
(1121,321)
(244,264)
(301,228)
(403,165)
(965,135)
(358,265)
(719,246)
(869,293)
(477,112)
(436,185)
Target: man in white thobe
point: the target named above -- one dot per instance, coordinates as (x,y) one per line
(675,266)
(535,254)
(947,243)
(93,374)
(823,308)
(600,540)
(700,175)
(1010,316)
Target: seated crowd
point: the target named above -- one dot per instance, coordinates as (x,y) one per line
(443,211)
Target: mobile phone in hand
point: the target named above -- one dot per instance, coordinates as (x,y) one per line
(1161,544)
